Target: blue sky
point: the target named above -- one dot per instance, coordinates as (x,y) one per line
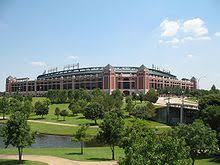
(180,36)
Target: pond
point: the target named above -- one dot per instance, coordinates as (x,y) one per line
(55,141)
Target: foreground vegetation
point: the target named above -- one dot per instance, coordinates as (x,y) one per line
(15,162)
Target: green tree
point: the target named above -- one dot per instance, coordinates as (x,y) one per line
(143,146)
(94,111)
(27,108)
(74,106)
(28,98)
(53,96)
(129,104)
(70,95)
(143,111)
(81,137)
(211,116)
(82,94)
(17,133)
(201,139)
(152,96)
(57,112)
(134,97)
(15,105)
(62,96)
(41,108)
(209,100)
(118,98)
(111,131)
(4,106)
(141,97)
(108,103)
(18,96)
(64,113)
(97,95)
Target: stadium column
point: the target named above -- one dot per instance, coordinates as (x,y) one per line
(35,86)
(163,85)
(73,82)
(26,85)
(61,83)
(143,79)
(109,79)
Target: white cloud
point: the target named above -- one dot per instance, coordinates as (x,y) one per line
(189,38)
(195,26)
(217,34)
(173,41)
(169,28)
(38,63)
(189,55)
(73,57)
(182,31)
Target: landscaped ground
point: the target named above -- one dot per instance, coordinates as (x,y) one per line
(58,130)
(16,162)
(210,161)
(76,120)
(91,154)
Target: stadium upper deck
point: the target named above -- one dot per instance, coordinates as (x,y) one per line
(108,78)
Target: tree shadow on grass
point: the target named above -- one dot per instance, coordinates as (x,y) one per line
(92,159)
(36,118)
(81,117)
(99,159)
(73,153)
(10,162)
(216,159)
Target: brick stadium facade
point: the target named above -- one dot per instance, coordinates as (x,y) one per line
(108,78)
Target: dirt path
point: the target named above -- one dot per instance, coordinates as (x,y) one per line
(62,124)
(52,160)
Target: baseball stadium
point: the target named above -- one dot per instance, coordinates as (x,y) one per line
(108,78)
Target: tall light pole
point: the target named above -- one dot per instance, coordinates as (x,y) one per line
(168,107)
(181,109)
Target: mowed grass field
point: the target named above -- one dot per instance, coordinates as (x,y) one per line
(91,154)
(59,129)
(75,120)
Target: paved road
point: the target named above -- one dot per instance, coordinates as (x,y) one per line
(52,160)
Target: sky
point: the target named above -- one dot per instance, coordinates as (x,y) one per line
(180,36)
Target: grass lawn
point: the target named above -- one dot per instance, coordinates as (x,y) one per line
(16,162)
(91,154)
(35,99)
(59,130)
(210,161)
(76,120)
